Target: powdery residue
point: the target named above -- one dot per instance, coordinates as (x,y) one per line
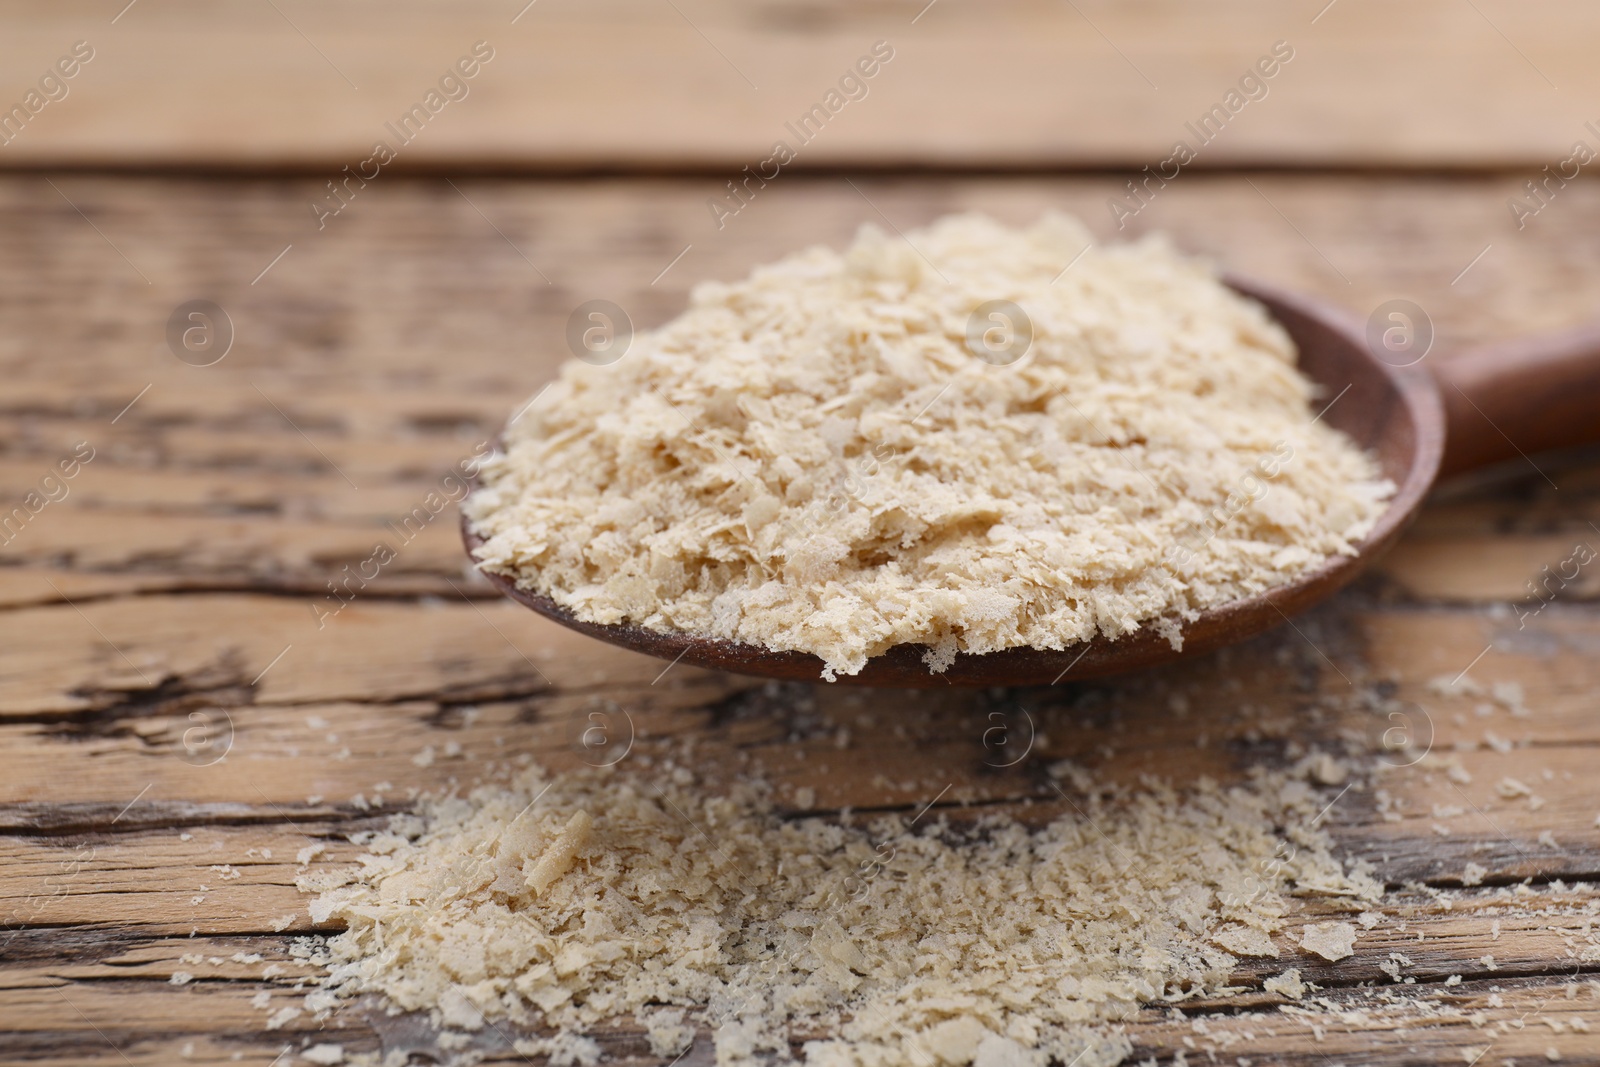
(813,458)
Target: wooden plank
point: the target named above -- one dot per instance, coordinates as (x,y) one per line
(713,83)
(64,658)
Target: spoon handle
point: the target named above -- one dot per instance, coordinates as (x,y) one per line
(1520,397)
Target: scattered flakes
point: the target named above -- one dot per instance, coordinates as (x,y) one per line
(180,978)
(227,871)
(309,853)
(1510,789)
(1331,941)
(1473,873)
(282,923)
(262,1000)
(1548,840)
(424,758)
(1395,965)
(1488,962)
(666,1031)
(572,1050)
(325,1055)
(1328,770)
(1287,984)
(1454,979)
(805,798)
(465,910)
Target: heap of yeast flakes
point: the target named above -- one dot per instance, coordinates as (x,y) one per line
(815,459)
(564,902)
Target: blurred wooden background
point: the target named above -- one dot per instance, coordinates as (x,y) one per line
(710,83)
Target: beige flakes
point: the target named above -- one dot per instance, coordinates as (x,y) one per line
(1287,984)
(567,902)
(668,1034)
(559,855)
(282,1016)
(563,1050)
(325,1055)
(1331,941)
(1245,941)
(1328,770)
(814,459)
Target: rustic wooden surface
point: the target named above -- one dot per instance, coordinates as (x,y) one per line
(710,83)
(173,590)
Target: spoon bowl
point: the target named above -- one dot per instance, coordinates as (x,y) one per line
(1392,407)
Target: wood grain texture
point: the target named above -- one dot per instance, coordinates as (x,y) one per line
(192,549)
(711,83)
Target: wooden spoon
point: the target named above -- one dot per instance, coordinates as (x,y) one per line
(1420,423)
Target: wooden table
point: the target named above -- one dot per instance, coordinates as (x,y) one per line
(175,725)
